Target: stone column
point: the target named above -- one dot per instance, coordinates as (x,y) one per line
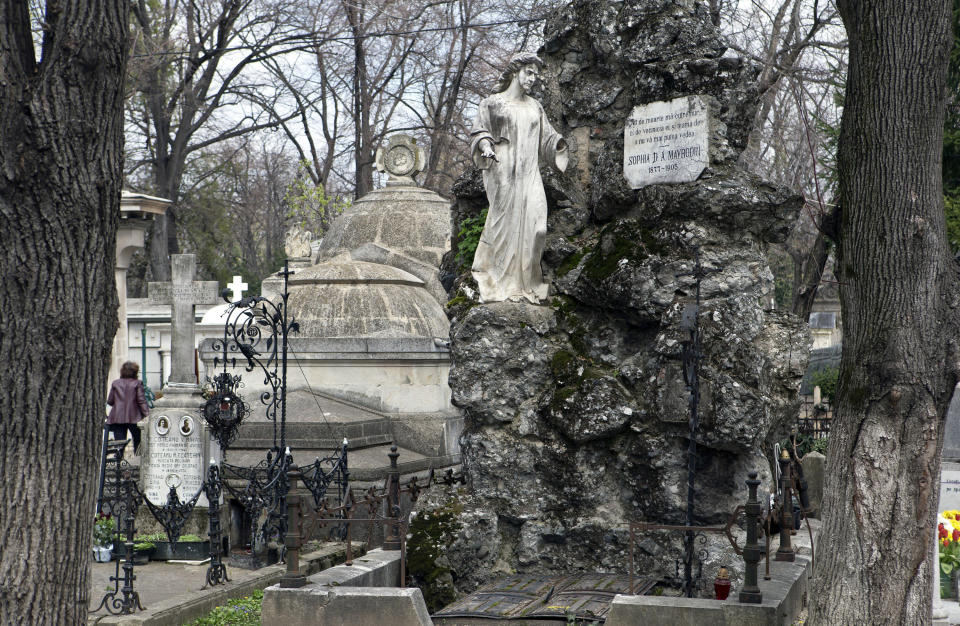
(183,267)
(137,212)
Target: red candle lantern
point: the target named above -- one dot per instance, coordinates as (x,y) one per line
(721,585)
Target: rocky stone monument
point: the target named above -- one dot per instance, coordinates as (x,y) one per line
(576,411)
(178,448)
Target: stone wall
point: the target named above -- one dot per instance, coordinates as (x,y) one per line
(576,411)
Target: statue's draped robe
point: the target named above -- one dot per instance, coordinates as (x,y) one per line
(507,262)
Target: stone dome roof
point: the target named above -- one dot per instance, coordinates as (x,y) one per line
(217,315)
(407,219)
(346,298)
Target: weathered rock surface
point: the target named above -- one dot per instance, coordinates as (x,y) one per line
(577,411)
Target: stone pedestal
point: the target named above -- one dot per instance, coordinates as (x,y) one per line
(177,446)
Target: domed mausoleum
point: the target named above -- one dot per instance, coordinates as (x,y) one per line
(373,342)
(347,298)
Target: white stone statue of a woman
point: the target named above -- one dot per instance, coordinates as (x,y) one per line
(510,136)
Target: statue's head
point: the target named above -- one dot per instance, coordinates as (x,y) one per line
(524,67)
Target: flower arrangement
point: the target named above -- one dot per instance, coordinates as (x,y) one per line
(207,390)
(104,528)
(948,536)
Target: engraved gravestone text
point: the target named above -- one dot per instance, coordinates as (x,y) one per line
(666,142)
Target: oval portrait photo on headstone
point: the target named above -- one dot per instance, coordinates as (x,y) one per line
(162,425)
(186,425)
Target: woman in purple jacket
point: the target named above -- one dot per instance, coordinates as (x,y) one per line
(129,402)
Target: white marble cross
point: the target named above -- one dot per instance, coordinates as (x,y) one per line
(182,293)
(237,288)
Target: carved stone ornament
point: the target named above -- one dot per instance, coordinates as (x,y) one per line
(402,158)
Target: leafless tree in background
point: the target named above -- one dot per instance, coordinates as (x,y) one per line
(193,83)
(801,46)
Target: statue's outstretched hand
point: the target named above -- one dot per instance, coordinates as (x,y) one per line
(486,150)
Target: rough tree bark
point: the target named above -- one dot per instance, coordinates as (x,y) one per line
(61,137)
(899,296)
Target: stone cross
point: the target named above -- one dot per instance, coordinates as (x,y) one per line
(237,287)
(183,293)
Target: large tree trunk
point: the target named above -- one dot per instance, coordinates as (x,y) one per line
(61,134)
(898,293)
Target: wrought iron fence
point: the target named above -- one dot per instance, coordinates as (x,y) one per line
(689,581)
(124,503)
(112,464)
(262,490)
(814,419)
(377,506)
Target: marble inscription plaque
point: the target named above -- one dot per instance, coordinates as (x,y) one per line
(950,487)
(175,458)
(666,142)
(197,292)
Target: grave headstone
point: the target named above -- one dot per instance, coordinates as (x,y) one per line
(666,142)
(814,470)
(950,467)
(178,446)
(176,456)
(951,432)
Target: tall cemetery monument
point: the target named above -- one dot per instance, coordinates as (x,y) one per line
(576,410)
(178,446)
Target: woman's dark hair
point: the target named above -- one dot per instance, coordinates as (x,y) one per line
(516,62)
(129,370)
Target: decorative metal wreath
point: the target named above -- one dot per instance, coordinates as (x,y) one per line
(225,409)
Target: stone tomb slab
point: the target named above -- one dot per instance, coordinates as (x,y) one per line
(527,596)
(666,142)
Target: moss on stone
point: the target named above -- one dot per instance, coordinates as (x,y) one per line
(461,300)
(560,397)
(572,261)
(564,306)
(578,339)
(561,361)
(626,240)
(431,533)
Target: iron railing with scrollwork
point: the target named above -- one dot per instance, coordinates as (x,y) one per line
(125,502)
(375,507)
(814,420)
(261,491)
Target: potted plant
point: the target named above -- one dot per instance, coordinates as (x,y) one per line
(104,529)
(142,551)
(948,535)
(186,548)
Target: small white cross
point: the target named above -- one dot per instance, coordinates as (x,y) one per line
(236,288)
